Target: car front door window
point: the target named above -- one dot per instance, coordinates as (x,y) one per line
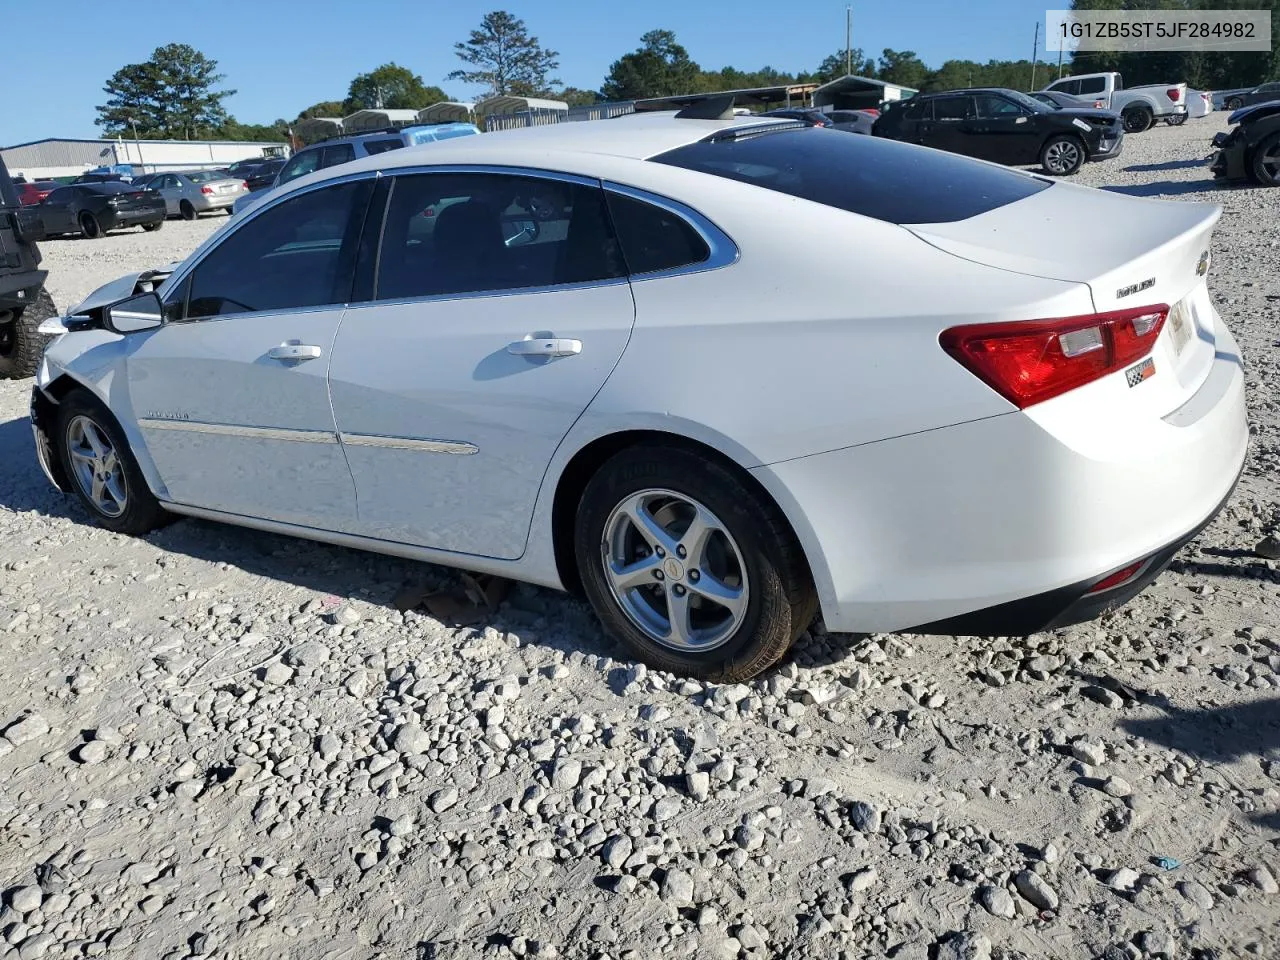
(296,255)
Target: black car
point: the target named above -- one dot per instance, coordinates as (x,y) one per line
(1004,126)
(814,118)
(1265,93)
(91,209)
(24,302)
(263,175)
(1251,149)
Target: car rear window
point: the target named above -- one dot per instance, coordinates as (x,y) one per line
(109,186)
(870,176)
(204,176)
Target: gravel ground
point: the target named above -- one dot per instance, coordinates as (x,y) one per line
(223,743)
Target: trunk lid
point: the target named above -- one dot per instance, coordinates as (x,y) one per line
(1130,251)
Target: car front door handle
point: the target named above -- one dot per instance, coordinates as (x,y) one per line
(540,345)
(294,350)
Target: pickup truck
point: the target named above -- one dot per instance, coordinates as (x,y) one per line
(1139,107)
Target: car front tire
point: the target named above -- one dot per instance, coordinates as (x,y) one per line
(153,227)
(103,472)
(1265,162)
(1062,155)
(691,568)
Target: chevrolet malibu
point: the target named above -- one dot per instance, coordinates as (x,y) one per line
(591,369)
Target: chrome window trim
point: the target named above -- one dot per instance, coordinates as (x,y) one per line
(723,252)
(455,447)
(238,430)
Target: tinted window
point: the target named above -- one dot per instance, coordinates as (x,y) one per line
(204,176)
(381,146)
(653,238)
(109,188)
(297,254)
(953,108)
(871,176)
(338,153)
(61,195)
(1092,85)
(467,233)
(302,163)
(1071,87)
(990,106)
(918,110)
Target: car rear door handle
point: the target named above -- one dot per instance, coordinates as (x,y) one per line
(294,350)
(541,345)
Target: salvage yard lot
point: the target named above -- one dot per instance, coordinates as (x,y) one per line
(238,747)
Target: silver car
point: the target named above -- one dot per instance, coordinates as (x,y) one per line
(197,191)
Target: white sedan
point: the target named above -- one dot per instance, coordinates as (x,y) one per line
(619,357)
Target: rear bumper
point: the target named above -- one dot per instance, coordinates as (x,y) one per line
(1002,514)
(131,218)
(207,204)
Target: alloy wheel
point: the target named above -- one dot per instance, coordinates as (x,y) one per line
(1269,160)
(1062,156)
(675,570)
(97,467)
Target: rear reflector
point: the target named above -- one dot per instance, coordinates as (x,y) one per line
(1028,363)
(1118,578)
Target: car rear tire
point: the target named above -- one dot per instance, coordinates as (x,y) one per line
(1062,155)
(1265,163)
(1137,119)
(21,347)
(104,475)
(1177,120)
(663,529)
(1235,103)
(90,229)
(153,227)
(187,211)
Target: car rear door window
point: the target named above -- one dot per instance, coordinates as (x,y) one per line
(990,106)
(461,233)
(1092,85)
(372,147)
(871,176)
(300,164)
(652,238)
(953,108)
(298,254)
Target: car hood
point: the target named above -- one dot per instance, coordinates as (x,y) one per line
(120,289)
(1255,111)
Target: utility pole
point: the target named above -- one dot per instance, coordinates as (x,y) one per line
(137,143)
(1059,63)
(848,40)
(1035,52)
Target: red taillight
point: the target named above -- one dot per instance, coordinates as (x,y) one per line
(1028,363)
(1174,94)
(244,184)
(1118,578)
(206,190)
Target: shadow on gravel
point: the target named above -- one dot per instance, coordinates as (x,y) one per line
(1170,165)
(1257,570)
(1219,735)
(23,485)
(1165,188)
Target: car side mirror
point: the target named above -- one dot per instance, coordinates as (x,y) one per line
(143,312)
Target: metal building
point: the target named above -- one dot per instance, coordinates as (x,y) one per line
(56,157)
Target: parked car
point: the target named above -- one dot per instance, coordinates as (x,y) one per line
(24,301)
(194,192)
(1251,148)
(814,118)
(93,209)
(853,121)
(1263,93)
(92,177)
(244,169)
(1199,105)
(263,176)
(1058,99)
(487,392)
(1005,126)
(1140,107)
(330,153)
(34,192)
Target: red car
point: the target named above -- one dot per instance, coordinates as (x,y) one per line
(29,193)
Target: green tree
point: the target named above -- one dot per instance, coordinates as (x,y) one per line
(505,59)
(171,95)
(902,67)
(660,67)
(390,87)
(325,108)
(833,66)
(575,97)
(276,132)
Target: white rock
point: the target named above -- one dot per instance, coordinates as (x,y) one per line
(27,729)
(677,887)
(25,899)
(1123,879)
(566,774)
(443,800)
(411,739)
(863,880)
(311,653)
(1090,752)
(1035,891)
(1262,878)
(95,751)
(698,784)
(997,902)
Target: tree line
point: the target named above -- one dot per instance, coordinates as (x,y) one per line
(177,93)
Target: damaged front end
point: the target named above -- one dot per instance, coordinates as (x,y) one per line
(44,412)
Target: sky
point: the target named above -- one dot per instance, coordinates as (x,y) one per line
(281,56)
